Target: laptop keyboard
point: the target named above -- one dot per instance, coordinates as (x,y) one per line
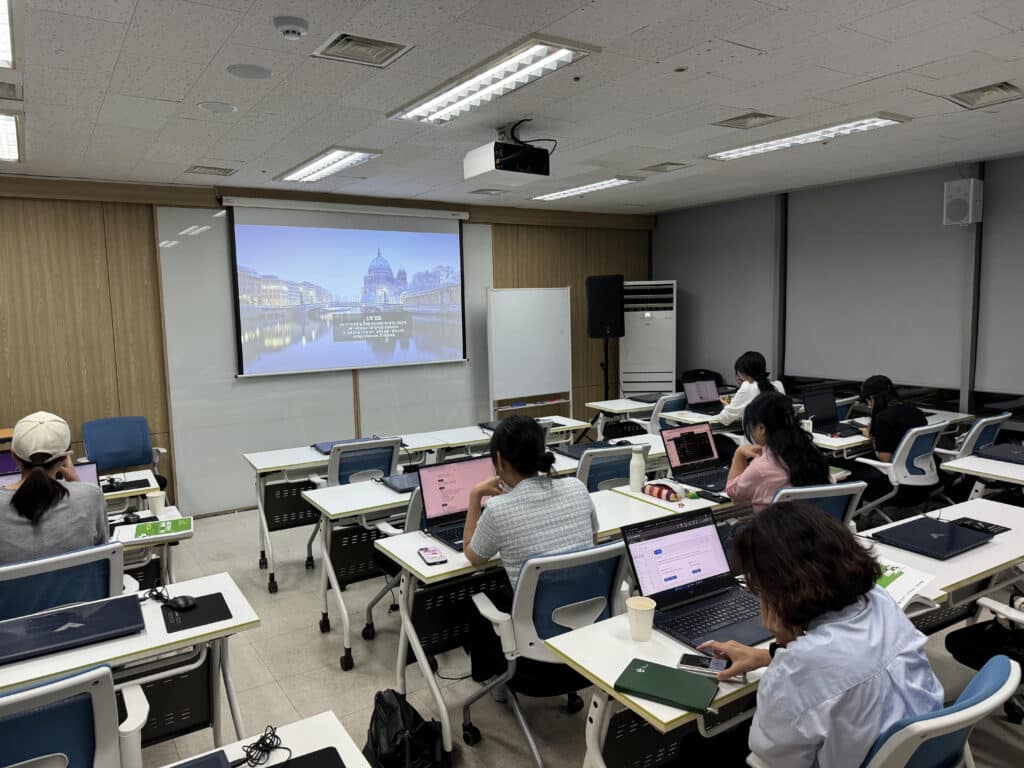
(709,478)
(450,536)
(698,622)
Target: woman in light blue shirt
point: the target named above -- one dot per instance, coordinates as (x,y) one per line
(847,663)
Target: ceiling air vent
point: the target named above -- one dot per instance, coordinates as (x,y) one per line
(986,95)
(490,191)
(666,167)
(10,91)
(749,120)
(361,50)
(210,170)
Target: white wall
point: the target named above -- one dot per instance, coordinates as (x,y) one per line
(723,258)
(215,417)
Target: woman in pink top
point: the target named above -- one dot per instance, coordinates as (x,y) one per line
(782,454)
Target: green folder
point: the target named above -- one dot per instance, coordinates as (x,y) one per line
(667,685)
(163,527)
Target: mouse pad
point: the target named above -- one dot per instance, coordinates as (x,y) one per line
(209,608)
(327,757)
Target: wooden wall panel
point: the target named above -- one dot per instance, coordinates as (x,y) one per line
(552,257)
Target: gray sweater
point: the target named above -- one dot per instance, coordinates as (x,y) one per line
(77,521)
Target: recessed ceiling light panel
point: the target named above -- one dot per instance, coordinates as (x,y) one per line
(586,189)
(361,50)
(249,71)
(488,191)
(986,95)
(749,120)
(217,107)
(10,141)
(811,137)
(332,160)
(492,79)
(6,36)
(667,167)
(210,170)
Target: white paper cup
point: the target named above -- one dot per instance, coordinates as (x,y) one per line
(641,617)
(155,501)
(807,425)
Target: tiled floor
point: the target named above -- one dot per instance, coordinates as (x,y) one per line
(286,669)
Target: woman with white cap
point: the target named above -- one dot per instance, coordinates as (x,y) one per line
(47,512)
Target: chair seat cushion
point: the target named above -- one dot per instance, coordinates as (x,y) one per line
(539,679)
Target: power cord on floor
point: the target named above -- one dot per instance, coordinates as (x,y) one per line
(258,752)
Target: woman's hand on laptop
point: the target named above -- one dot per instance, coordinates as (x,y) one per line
(744,658)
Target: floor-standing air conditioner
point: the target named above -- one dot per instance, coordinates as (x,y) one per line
(647,353)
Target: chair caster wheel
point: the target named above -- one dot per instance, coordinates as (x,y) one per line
(369,632)
(325,624)
(575,703)
(346,660)
(263,563)
(470,735)
(1014,712)
(310,565)
(272,586)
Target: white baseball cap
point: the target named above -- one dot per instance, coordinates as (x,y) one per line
(41,434)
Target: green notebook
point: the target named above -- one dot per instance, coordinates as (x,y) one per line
(667,685)
(163,527)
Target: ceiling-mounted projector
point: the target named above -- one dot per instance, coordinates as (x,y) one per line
(505,163)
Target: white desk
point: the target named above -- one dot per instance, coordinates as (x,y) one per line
(846,447)
(985,469)
(132,475)
(620,507)
(126,535)
(620,408)
(690,417)
(954,418)
(303,737)
(152,642)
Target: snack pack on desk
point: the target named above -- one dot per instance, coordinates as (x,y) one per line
(661,491)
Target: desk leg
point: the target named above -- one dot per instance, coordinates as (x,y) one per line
(266,550)
(165,564)
(229,689)
(410,637)
(405,586)
(977,490)
(215,678)
(328,572)
(597,726)
(600,426)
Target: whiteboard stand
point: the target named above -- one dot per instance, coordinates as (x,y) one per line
(529,348)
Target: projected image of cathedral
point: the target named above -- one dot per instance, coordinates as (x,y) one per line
(381,285)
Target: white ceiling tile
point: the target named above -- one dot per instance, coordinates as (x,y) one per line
(133,112)
(182,132)
(325,17)
(236,150)
(49,85)
(455,48)
(1009,14)
(599,22)
(1011,70)
(314,83)
(1009,46)
(877,86)
(71,42)
(960,64)
(152,78)
(522,16)
(384,133)
(401,21)
(179,29)
(107,10)
(231,5)
(914,17)
(115,141)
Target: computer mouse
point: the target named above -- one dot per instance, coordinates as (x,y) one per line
(622,442)
(181,603)
(130,518)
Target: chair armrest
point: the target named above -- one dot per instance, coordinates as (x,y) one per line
(945,453)
(756,762)
(1002,610)
(885,467)
(129,732)
(319,482)
(501,621)
(388,529)
(157,453)
(129,584)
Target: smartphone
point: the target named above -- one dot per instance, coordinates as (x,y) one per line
(708,666)
(431,555)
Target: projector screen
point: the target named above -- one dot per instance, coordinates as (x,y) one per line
(318,290)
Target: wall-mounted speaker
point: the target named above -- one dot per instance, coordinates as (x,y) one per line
(605,314)
(962,201)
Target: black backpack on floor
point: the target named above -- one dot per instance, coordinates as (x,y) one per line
(398,737)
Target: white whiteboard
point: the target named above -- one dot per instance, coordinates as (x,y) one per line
(529,344)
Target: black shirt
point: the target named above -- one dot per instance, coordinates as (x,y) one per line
(889,427)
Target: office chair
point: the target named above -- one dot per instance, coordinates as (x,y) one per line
(838,500)
(122,442)
(74,577)
(605,468)
(912,468)
(555,594)
(674,401)
(72,721)
(983,433)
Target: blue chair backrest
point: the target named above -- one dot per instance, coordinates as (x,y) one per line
(947,750)
(118,442)
(672,404)
(843,411)
(923,444)
(833,506)
(988,435)
(43,591)
(364,460)
(63,727)
(566,586)
(604,468)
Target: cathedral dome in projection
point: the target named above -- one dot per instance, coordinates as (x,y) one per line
(381,284)
(380,268)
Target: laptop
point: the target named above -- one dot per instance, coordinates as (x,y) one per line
(43,633)
(647,397)
(693,457)
(680,563)
(820,405)
(445,489)
(86,473)
(933,538)
(1010,452)
(325,448)
(576,450)
(402,483)
(8,463)
(490,426)
(702,397)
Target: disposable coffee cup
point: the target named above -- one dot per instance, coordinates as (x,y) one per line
(641,618)
(155,501)
(807,425)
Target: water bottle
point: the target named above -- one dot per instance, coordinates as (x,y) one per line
(637,469)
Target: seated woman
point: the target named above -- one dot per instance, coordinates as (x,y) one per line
(47,512)
(847,663)
(529,513)
(752,375)
(781,455)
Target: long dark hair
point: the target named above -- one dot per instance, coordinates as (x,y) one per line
(38,491)
(520,441)
(754,365)
(883,400)
(803,562)
(785,439)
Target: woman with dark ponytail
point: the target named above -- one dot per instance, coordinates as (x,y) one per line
(47,512)
(752,376)
(528,514)
(782,455)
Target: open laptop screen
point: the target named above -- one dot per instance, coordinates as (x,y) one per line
(7,463)
(689,446)
(701,391)
(676,553)
(820,403)
(86,474)
(445,487)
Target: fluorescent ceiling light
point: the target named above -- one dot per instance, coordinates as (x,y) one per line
(524,64)
(10,150)
(195,229)
(331,160)
(220,214)
(586,189)
(168,243)
(6,39)
(810,137)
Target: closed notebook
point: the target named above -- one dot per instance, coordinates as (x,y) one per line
(667,685)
